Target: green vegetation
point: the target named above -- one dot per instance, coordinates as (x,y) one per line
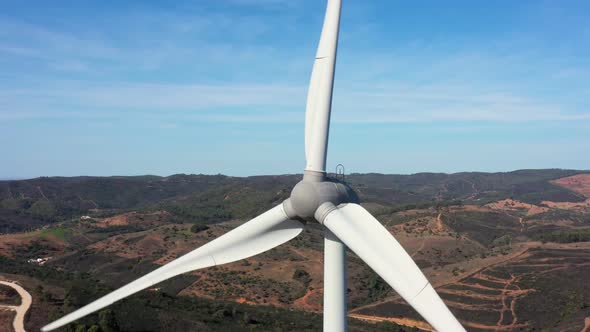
(35,249)
(502,241)
(59,232)
(302,276)
(80,328)
(43,209)
(159,311)
(108,321)
(9,295)
(377,287)
(406,207)
(10,204)
(560,295)
(582,235)
(225,203)
(199,228)
(560,214)
(202,199)
(487,228)
(119,229)
(530,186)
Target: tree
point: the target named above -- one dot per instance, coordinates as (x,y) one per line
(107,321)
(94,328)
(43,209)
(302,276)
(81,328)
(78,293)
(199,228)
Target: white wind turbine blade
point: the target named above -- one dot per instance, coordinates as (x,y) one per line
(258,235)
(319,97)
(367,238)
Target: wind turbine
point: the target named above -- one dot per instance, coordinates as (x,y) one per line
(331,203)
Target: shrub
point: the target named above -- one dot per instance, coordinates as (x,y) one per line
(199,228)
(302,276)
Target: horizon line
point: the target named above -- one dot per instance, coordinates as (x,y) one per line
(21,178)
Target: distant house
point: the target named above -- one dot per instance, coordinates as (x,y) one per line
(85,218)
(38,261)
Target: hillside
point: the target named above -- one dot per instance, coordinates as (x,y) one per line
(499,247)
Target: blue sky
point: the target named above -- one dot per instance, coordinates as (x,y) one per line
(153,87)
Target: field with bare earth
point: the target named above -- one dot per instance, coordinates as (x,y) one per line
(518,207)
(579,183)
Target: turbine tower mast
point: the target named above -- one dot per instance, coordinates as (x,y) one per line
(319,106)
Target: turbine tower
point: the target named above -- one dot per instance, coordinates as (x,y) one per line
(331,203)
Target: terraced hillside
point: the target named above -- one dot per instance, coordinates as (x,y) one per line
(541,287)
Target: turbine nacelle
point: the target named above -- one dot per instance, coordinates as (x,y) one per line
(314,191)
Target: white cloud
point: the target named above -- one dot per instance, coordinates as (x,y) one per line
(252,102)
(403,84)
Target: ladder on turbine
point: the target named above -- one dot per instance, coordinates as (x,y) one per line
(339,173)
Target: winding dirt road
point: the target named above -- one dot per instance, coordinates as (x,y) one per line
(19,320)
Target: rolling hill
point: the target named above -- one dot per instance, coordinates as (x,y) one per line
(499,247)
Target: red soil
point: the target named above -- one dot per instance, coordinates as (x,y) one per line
(513,205)
(579,183)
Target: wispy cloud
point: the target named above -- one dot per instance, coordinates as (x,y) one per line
(197,42)
(249,102)
(265,3)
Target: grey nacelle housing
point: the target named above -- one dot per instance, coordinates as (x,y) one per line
(307,196)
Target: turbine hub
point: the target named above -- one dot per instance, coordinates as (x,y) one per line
(311,192)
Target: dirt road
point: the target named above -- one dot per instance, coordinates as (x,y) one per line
(423,326)
(26,299)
